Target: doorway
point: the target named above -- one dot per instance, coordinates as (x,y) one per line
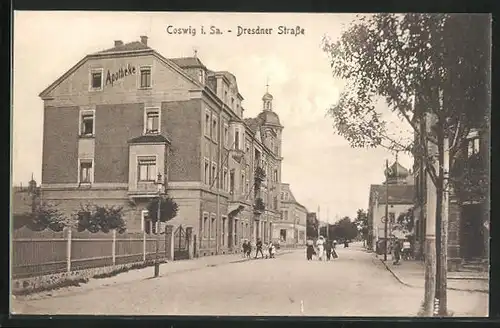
(471,232)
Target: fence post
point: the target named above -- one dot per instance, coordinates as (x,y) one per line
(68,250)
(144,246)
(113,248)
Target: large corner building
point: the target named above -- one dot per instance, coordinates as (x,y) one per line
(122,116)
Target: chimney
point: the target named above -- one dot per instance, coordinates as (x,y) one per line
(144,40)
(118,43)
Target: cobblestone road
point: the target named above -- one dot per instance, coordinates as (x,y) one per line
(355,284)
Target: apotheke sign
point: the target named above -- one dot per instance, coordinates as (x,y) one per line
(111,78)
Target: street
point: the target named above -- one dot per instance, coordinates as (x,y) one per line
(355,284)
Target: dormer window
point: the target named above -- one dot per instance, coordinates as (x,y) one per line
(152,121)
(201,76)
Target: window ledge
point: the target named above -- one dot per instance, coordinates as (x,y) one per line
(95,89)
(145,88)
(86,185)
(87,136)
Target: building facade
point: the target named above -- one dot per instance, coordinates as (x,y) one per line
(400,191)
(291,228)
(468,208)
(123,117)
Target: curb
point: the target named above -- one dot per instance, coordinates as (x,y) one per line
(449,288)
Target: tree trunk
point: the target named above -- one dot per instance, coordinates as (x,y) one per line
(443,254)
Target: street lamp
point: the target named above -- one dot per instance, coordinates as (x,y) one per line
(159,184)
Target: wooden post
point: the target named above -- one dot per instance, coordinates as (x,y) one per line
(68,250)
(113,248)
(144,246)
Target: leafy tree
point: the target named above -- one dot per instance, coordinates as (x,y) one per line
(312,225)
(406,221)
(168,209)
(361,222)
(95,218)
(44,215)
(344,229)
(420,66)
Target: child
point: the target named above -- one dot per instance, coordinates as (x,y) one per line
(272,251)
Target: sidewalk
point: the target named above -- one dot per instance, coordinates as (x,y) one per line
(411,274)
(166,269)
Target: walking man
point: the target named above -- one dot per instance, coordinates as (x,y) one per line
(259,248)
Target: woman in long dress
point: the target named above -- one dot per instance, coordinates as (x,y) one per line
(320,244)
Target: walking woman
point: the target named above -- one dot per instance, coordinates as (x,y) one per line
(328,249)
(320,244)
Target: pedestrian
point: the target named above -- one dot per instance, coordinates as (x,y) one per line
(328,249)
(320,244)
(272,250)
(346,243)
(397,251)
(249,249)
(310,249)
(406,250)
(259,248)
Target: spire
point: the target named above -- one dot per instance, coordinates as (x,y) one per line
(195,53)
(267,85)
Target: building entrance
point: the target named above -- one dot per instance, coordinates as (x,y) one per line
(471,232)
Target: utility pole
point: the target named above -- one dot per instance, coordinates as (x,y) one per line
(386,244)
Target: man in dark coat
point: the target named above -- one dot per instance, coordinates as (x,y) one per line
(259,248)
(328,249)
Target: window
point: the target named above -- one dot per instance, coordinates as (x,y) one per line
(285,215)
(87,123)
(231,182)
(206,227)
(144,221)
(225,96)
(86,175)
(145,77)
(224,180)
(152,121)
(212,228)
(96,79)
(232,103)
(207,124)
(201,76)
(243,183)
(214,175)
(214,130)
(207,172)
(223,234)
(147,169)
(238,109)
(276,175)
(247,186)
(237,140)
(247,146)
(226,135)
(473,146)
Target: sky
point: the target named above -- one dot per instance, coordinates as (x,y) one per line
(322,169)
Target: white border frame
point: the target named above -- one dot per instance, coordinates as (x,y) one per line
(150,66)
(80,121)
(80,160)
(93,70)
(137,166)
(145,120)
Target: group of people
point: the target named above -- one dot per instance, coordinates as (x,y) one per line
(400,249)
(270,249)
(325,249)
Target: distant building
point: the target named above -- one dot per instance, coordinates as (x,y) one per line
(24,199)
(400,199)
(122,117)
(291,228)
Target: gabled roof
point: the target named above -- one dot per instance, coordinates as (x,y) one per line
(156,138)
(187,62)
(131,46)
(398,194)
